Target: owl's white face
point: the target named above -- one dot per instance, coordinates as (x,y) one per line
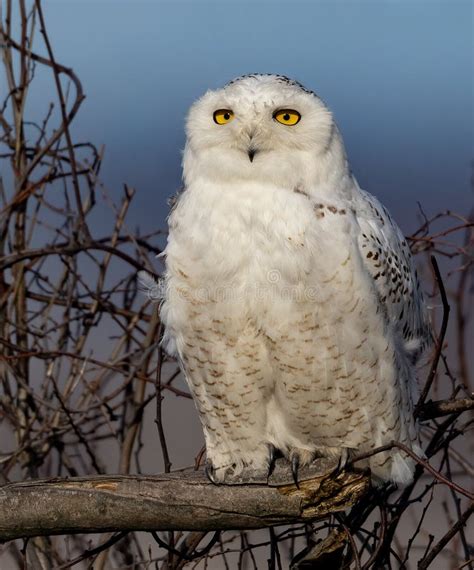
(259,128)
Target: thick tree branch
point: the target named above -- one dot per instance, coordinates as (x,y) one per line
(183,500)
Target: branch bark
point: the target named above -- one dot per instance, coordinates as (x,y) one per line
(183,500)
(440,408)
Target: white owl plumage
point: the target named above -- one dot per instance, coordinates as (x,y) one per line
(291,299)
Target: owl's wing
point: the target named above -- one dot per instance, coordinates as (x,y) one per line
(387,257)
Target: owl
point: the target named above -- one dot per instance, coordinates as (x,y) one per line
(291,298)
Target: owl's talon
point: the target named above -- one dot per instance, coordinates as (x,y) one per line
(272,456)
(210,472)
(341,462)
(343,458)
(295,464)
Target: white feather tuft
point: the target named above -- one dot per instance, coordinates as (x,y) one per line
(154,288)
(402,469)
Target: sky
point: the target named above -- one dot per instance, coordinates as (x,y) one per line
(398,76)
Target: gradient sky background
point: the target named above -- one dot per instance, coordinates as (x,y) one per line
(398,76)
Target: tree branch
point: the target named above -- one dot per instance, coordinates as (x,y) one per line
(439,408)
(183,500)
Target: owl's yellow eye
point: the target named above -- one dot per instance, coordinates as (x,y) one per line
(223,116)
(287,116)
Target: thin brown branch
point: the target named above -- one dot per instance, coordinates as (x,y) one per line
(438,547)
(440,340)
(422,462)
(159,401)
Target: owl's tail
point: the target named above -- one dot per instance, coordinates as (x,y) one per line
(394,466)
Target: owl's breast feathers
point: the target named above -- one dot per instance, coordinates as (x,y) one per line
(251,236)
(235,231)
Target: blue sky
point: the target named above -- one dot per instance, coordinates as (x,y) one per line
(398,76)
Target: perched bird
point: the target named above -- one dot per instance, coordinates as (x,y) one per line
(291,301)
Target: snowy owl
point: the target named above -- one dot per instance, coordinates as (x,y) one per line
(292,301)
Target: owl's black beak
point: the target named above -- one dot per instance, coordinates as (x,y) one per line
(251,152)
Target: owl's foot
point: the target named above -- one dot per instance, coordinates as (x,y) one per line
(343,456)
(219,474)
(236,473)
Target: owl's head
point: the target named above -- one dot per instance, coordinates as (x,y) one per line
(262,128)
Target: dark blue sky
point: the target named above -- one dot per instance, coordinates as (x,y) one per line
(398,76)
